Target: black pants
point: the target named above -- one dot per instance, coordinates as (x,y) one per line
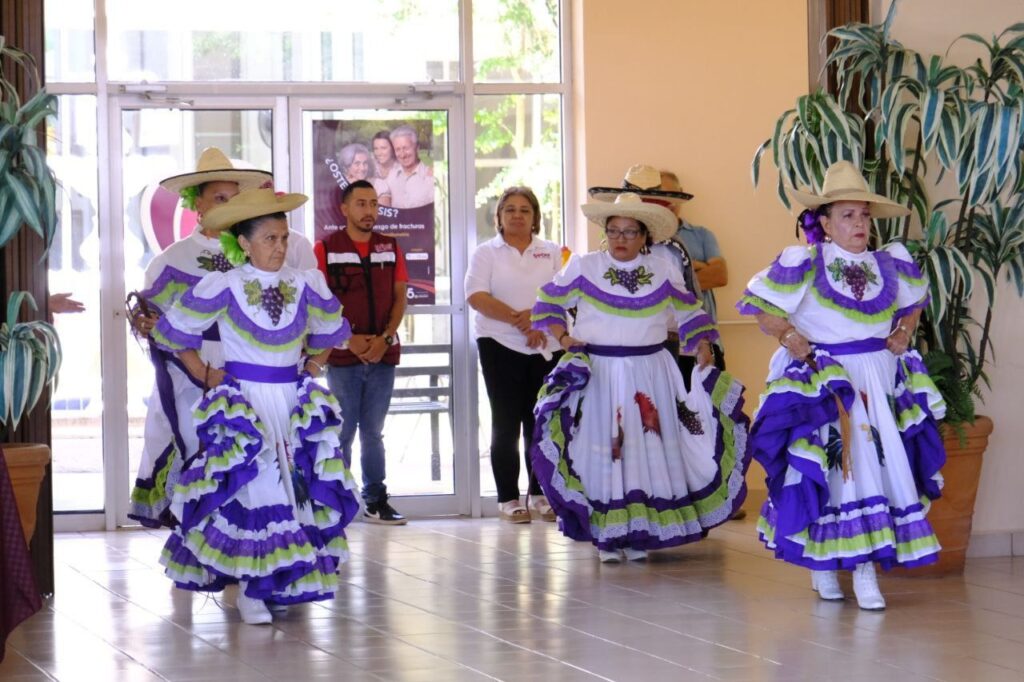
(513,380)
(687,362)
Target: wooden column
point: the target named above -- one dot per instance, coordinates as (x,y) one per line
(822,17)
(22,268)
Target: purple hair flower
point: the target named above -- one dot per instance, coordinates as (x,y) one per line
(809,221)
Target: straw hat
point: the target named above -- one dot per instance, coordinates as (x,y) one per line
(250,203)
(213,166)
(843,182)
(661,223)
(640,179)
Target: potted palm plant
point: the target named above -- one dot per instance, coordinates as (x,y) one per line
(946,141)
(30,351)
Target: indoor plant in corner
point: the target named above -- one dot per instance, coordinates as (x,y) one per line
(30,351)
(947,142)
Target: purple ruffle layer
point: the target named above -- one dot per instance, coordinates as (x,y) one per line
(787,416)
(571,376)
(316,420)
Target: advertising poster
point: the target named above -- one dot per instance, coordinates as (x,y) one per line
(392,155)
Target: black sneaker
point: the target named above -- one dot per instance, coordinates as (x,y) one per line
(382,512)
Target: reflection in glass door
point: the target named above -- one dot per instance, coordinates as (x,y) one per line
(405,155)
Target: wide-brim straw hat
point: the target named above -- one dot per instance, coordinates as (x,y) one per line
(843,182)
(640,179)
(661,223)
(250,203)
(214,166)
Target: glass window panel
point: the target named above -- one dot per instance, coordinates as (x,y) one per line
(74,267)
(516,41)
(158,143)
(393,41)
(518,142)
(418,437)
(70,42)
(418,431)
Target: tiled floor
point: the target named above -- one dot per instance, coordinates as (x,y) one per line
(478,599)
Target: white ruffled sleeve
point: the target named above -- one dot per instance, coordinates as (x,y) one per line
(913,285)
(778,289)
(326,327)
(196,311)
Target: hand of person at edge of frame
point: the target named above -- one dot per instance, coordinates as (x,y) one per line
(535,338)
(63,303)
(145,323)
(898,342)
(705,356)
(798,345)
(521,320)
(375,351)
(567,342)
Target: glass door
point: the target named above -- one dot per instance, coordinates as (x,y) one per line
(155,142)
(409,157)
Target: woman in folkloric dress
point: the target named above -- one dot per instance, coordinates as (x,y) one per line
(846,429)
(266,500)
(169,431)
(628,458)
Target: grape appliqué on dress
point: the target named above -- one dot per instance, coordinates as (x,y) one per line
(271,299)
(857,276)
(631,279)
(214,262)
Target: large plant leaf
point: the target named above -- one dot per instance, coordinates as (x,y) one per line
(30,357)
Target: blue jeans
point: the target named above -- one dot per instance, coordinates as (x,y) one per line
(364,392)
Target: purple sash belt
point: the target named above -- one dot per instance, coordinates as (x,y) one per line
(623,351)
(853,347)
(263,374)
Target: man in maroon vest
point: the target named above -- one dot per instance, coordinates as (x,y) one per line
(367,272)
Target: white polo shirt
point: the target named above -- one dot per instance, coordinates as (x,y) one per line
(513,278)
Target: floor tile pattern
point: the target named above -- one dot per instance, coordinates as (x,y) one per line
(460,599)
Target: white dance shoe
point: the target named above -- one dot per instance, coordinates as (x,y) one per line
(254,611)
(826,584)
(635,554)
(865,586)
(609,557)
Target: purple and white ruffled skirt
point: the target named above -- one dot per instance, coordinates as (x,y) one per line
(627,458)
(267,499)
(815,518)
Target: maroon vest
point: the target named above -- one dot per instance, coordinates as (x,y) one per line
(365,287)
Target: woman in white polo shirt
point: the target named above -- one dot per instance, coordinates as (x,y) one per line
(501,286)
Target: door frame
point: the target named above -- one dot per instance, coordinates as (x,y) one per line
(463,406)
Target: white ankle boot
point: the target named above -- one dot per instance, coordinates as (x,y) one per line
(826,584)
(253,611)
(865,586)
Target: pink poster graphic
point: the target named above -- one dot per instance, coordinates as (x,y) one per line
(392,155)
